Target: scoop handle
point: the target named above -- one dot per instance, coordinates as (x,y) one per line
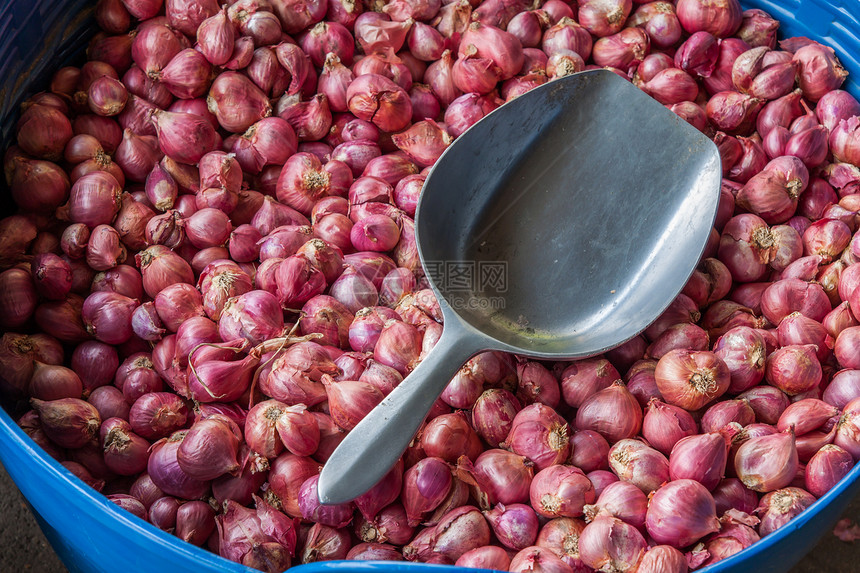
(377,442)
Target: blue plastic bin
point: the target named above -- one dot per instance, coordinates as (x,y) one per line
(91,534)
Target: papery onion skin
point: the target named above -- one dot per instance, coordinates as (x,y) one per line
(332,515)
(560,491)
(767,463)
(589,451)
(515,525)
(109,402)
(743,351)
(39,186)
(324,543)
(829,465)
(585,377)
(52,382)
(462,529)
(847,428)
(107,316)
(691,379)
(540,434)
(846,347)
(449,436)
(806,415)
(819,70)
(487,557)
(129,504)
(68,422)
(701,458)
(600,412)
(640,464)
(166,474)
(62,319)
(493,414)
(665,424)
(536,558)
(185,137)
(209,449)
(843,387)
(52,276)
(680,513)
(794,369)
(43,132)
(425,485)
(778,507)
(94,199)
(126,453)
(500,476)
(162,513)
(350,401)
(561,536)
(721,18)
(157,415)
(607,543)
(622,500)
(663,559)
(376,98)
(731,493)
(725,412)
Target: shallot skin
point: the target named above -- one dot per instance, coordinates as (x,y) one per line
(680,513)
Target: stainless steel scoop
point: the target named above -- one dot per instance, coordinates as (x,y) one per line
(557,227)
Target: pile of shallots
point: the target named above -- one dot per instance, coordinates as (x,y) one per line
(212,276)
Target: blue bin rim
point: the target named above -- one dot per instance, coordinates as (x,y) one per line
(107,509)
(104,508)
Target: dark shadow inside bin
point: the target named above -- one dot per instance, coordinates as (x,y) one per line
(43,36)
(38,45)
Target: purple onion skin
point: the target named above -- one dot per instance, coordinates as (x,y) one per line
(312,509)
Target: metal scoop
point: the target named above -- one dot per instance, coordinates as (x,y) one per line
(557,227)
